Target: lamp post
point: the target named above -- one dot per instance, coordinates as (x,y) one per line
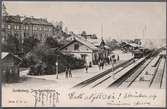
(57,71)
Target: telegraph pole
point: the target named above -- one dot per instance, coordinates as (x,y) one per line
(102,31)
(144,30)
(1,49)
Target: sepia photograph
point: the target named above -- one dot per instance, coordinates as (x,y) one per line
(83,54)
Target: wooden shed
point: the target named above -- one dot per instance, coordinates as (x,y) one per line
(10,67)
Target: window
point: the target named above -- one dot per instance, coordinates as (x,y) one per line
(26,27)
(24,34)
(9,26)
(34,27)
(17,27)
(83,56)
(39,28)
(76,46)
(50,29)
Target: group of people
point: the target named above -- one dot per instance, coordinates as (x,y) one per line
(68,72)
(109,60)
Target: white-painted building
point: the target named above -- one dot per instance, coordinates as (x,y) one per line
(82,49)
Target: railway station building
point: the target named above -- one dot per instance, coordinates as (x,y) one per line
(82,49)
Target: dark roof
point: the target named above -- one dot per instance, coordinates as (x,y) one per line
(11,18)
(40,21)
(5,54)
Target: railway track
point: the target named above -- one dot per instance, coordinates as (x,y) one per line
(142,81)
(124,74)
(101,75)
(130,76)
(164,78)
(135,75)
(109,76)
(156,81)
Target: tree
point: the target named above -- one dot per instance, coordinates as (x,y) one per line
(83,34)
(113,44)
(59,25)
(51,42)
(29,43)
(12,45)
(137,41)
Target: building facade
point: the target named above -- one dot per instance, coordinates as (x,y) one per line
(37,28)
(81,49)
(11,26)
(10,67)
(23,27)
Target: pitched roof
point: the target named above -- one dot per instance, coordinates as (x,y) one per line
(95,42)
(83,41)
(4,54)
(30,20)
(11,18)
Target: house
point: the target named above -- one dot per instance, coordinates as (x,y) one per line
(10,67)
(82,49)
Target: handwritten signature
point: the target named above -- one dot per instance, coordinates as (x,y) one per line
(45,97)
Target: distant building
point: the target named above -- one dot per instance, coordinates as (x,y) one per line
(37,27)
(11,26)
(126,46)
(10,67)
(22,27)
(81,49)
(88,36)
(104,50)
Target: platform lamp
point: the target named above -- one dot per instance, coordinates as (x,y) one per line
(57,63)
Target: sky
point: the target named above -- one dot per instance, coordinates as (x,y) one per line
(126,20)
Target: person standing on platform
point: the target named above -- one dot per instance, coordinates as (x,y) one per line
(118,58)
(102,64)
(99,63)
(69,72)
(66,72)
(86,67)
